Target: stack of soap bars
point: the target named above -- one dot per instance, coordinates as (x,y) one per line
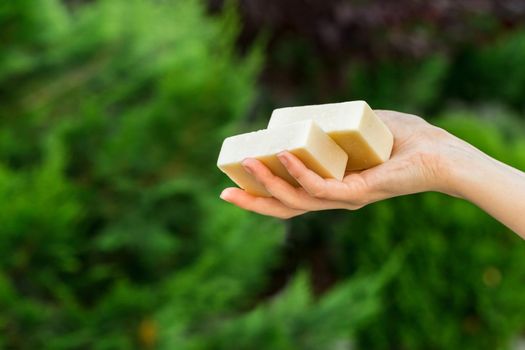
(329,139)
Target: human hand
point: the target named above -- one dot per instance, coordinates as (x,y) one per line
(421,158)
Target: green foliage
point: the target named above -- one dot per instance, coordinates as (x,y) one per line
(294,320)
(112,234)
(492,73)
(407,86)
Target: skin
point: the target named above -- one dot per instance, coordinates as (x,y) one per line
(424,158)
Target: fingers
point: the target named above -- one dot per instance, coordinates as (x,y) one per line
(290,196)
(287,201)
(352,191)
(261,205)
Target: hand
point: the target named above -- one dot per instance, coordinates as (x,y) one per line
(420,160)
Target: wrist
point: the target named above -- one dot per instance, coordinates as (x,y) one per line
(459,166)
(465,168)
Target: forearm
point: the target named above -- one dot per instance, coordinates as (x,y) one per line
(493,186)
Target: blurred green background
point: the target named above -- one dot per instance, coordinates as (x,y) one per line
(112,235)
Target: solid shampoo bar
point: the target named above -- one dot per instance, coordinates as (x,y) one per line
(352,125)
(305,139)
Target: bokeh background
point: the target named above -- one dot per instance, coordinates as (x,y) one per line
(112,234)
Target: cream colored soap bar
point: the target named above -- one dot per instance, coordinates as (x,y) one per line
(304,139)
(352,125)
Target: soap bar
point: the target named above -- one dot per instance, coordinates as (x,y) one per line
(352,125)
(305,139)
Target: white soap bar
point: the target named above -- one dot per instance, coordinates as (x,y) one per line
(304,139)
(352,125)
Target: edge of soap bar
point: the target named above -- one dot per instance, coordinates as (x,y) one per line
(306,144)
(376,133)
(234,151)
(291,135)
(337,119)
(348,111)
(334,158)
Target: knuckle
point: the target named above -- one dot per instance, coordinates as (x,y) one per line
(286,216)
(358,205)
(290,197)
(318,191)
(299,175)
(265,179)
(352,207)
(292,169)
(291,202)
(355,202)
(361,201)
(360,189)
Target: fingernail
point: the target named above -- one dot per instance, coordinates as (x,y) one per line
(282,157)
(223,196)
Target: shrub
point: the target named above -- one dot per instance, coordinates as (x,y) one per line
(112,234)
